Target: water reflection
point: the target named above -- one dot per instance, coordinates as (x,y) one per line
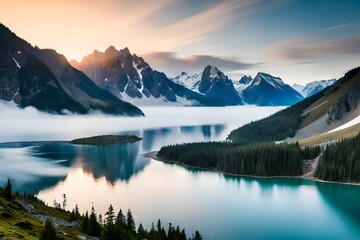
(220,206)
(113,162)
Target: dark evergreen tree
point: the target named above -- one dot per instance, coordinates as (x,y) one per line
(7,191)
(197,236)
(94,228)
(49,231)
(85,224)
(141,232)
(110,215)
(130,223)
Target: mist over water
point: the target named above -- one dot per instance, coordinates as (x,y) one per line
(31,125)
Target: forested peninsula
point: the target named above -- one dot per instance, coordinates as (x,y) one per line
(264,159)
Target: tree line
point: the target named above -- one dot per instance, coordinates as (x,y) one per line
(340,161)
(276,127)
(113,227)
(265,159)
(120,226)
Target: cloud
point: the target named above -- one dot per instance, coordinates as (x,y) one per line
(312,47)
(173,65)
(197,27)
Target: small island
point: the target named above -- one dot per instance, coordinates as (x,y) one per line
(106,140)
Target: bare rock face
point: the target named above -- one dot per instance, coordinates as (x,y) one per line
(44,79)
(8,85)
(347,103)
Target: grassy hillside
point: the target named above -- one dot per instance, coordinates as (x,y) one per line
(330,95)
(18,223)
(331,136)
(285,123)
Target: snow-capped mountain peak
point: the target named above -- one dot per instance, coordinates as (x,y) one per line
(313,87)
(267,90)
(276,82)
(189,81)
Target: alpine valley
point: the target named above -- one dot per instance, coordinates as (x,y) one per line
(202,121)
(36,77)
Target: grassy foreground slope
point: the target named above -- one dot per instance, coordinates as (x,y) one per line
(23,218)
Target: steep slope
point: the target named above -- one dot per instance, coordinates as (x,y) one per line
(130,77)
(217,85)
(313,87)
(126,76)
(44,79)
(320,113)
(243,83)
(189,81)
(211,83)
(267,90)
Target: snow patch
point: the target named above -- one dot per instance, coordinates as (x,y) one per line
(17,64)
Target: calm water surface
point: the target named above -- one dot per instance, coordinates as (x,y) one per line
(219,206)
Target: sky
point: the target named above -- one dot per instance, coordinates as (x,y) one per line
(297,40)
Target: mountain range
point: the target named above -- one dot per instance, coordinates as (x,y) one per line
(263,90)
(44,79)
(114,81)
(132,79)
(313,87)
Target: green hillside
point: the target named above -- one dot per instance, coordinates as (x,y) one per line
(20,219)
(285,123)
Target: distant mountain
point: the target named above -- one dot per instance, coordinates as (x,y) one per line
(313,87)
(267,90)
(45,80)
(243,83)
(245,79)
(189,81)
(298,88)
(211,83)
(216,84)
(131,78)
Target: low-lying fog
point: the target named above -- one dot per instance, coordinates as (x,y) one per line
(31,125)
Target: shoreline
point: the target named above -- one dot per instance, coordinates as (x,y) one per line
(153,155)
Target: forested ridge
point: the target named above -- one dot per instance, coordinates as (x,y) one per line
(266,159)
(276,127)
(341,161)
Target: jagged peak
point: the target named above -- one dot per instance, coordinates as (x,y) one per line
(96,51)
(245,79)
(268,78)
(182,74)
(124,53)
(111,49)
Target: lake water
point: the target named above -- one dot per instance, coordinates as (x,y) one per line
(219,206)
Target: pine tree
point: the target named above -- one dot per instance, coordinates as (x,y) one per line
(141,233)
(64,203)
(49,231)
(197,236)
(94,228)
(110,216)
(85,224)
(7,191)
(130,223)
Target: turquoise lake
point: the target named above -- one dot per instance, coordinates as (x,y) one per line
(219,206)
